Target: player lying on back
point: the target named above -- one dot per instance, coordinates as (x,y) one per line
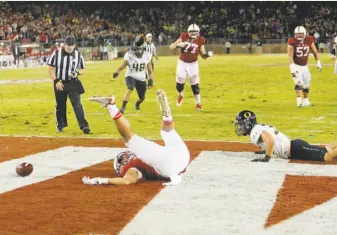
(298,52)
(272,141)
(146,160)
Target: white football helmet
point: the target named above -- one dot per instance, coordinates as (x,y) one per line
(300,33)
(193,31)
(122,159)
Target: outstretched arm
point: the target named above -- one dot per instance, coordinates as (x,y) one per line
(131,177)
(120,68)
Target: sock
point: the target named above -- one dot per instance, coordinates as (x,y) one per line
(197,98)
(124,104)
(114,112)
(306,101)
(168,119)
(299,101)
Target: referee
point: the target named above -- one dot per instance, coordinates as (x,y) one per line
(65,65)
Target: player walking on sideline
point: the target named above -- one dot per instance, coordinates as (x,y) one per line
(272,141)
(298,52)
(146,160)
(136,60)
(190,44)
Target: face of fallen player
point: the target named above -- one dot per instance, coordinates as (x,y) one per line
(149,39)
(193,34)
(69,49)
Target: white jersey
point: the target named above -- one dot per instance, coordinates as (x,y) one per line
(137,66)
(151,48)
(282,142)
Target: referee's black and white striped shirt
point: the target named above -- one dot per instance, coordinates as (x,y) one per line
(65,63)
(150,47)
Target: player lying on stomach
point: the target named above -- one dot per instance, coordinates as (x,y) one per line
(272,141)
(146,160)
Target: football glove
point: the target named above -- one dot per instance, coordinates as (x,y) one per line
(115,75)
(265,159)
(94,181)
(181,44)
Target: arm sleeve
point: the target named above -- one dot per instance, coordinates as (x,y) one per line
(51,60)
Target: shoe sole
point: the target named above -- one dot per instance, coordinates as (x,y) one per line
(164,107)
(102,100)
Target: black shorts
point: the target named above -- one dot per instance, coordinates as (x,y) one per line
(301,150)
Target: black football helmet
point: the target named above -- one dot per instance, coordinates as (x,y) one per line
(138,46)
(244,122)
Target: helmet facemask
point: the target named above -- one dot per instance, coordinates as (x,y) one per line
(244,123)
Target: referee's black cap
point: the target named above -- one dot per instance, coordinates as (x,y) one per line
(70,40)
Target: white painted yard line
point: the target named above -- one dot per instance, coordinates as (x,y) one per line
(53,163)
(25,81)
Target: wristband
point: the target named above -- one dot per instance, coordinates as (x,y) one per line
(57,80)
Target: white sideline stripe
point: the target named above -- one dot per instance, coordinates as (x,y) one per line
(152,139)
(25,81)
(53,163)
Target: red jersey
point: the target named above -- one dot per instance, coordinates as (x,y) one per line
(301,49)
(190,52)
(148,172)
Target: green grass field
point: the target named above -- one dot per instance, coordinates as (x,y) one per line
(229,84)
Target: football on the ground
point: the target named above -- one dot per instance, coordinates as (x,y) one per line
(24,169)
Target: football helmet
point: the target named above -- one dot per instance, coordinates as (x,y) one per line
(138,46)
(244,122)
(300,33)
(122,159)
(193,31)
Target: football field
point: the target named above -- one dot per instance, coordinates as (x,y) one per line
(228,85)
(222,192)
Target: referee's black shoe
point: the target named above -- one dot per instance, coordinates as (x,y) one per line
(86,130)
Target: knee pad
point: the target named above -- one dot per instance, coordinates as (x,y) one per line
(195,89)
(298,88)
(180,87)
(306,90)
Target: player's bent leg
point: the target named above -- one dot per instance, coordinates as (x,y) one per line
(306,85)
(180,89)
(301,150)
(299,93)
(121,123)
(141,91)
(130,84)
(196,93)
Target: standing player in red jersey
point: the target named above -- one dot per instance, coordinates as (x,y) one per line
(190,44)
(298,52)
(145,160)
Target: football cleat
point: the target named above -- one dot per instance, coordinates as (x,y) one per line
(163,103)
(180,100)
(103,100)
(299,106)
(198,107)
